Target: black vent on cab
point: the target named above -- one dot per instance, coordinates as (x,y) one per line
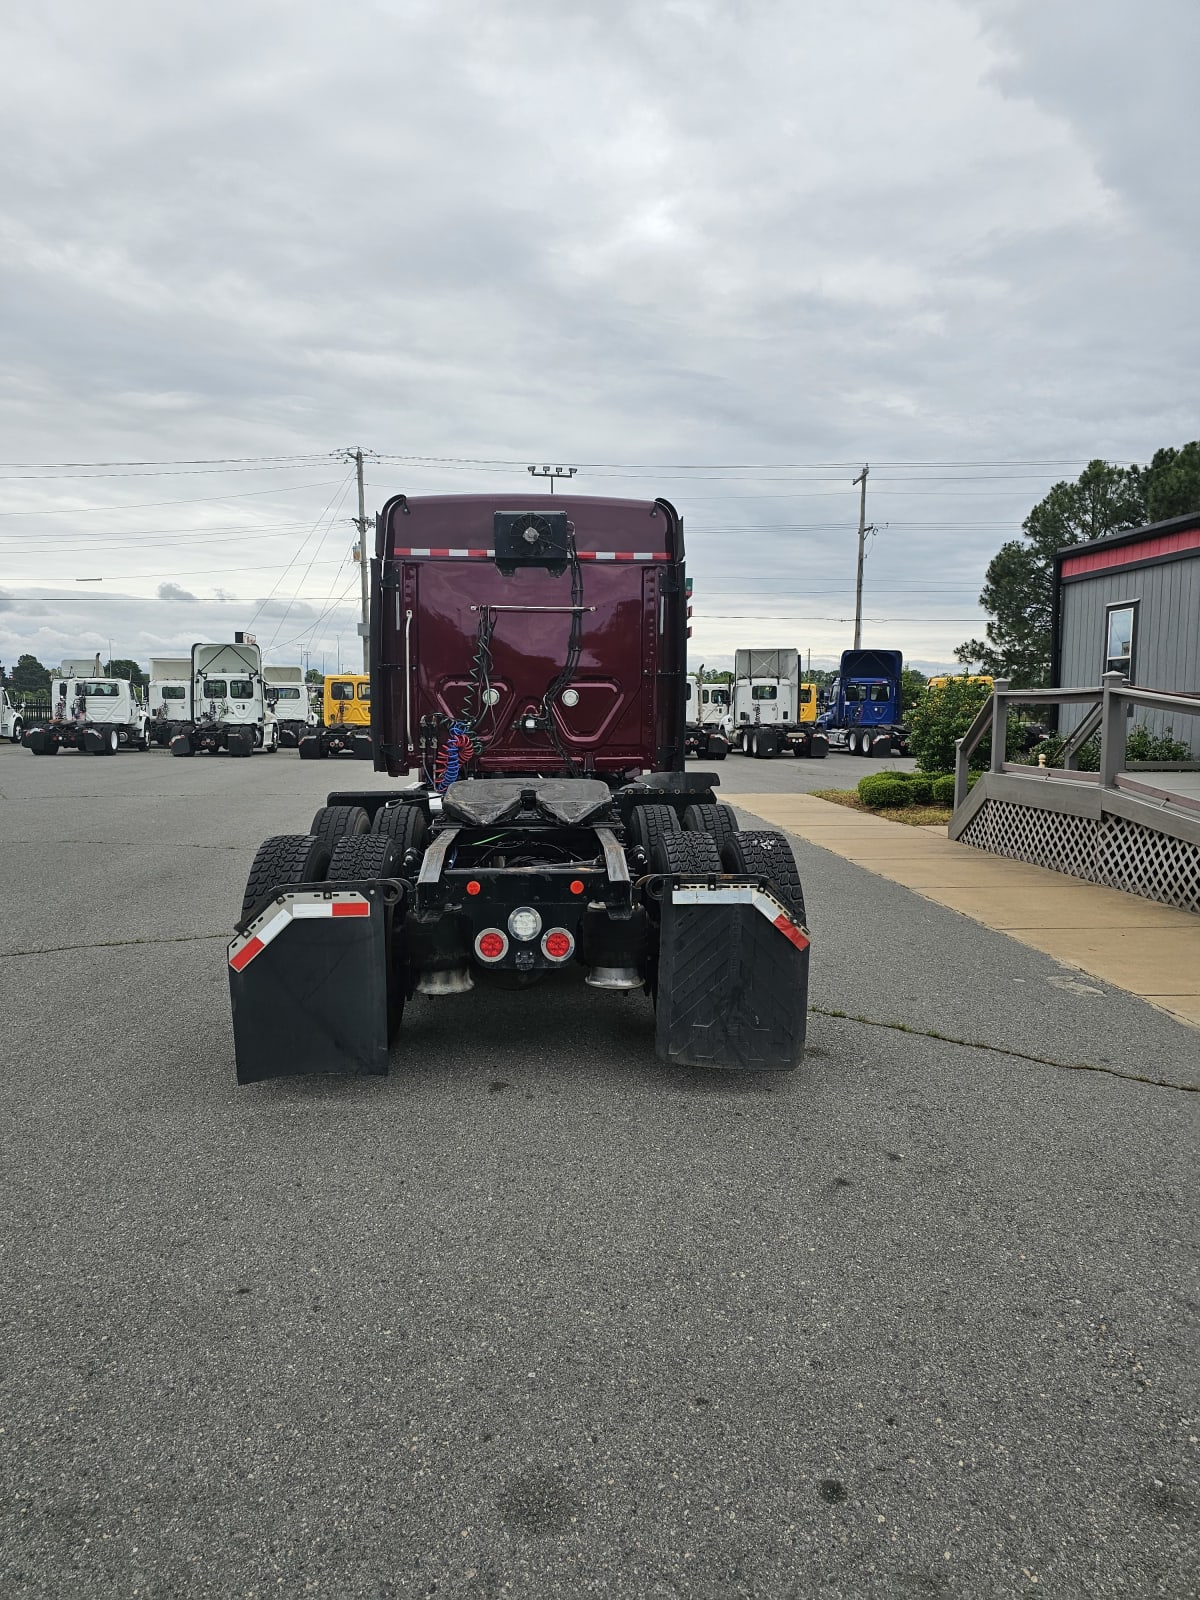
(532,539)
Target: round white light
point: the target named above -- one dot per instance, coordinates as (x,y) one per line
(491,697)
(570,697)
(524,923)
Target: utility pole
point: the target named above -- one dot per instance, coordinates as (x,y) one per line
(862,543)
(364,626)
(360,522)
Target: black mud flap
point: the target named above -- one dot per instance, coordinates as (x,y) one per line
(732,978)
(308,980)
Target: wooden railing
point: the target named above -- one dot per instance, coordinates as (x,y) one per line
(1106,712)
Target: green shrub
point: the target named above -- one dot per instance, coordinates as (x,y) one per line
(1142,745)
(943,789)
(883,791)
(940,717)
(920,788)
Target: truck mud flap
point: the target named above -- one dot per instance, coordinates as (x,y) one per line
(732,978)
(308,981)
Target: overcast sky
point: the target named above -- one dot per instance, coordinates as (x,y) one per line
(724,251)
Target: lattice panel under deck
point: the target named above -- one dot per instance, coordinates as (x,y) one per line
(1121,854)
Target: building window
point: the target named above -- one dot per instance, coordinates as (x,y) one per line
(1120,625)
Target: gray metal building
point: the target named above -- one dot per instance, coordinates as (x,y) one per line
(1131,603)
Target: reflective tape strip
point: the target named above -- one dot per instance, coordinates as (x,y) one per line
(623,555)
(272,922)
(461,554)
(446,553)
(744,894)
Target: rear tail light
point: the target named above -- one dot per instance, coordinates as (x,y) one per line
(491,945)
(558,945)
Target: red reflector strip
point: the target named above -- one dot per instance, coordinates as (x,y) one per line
(246,954)
(623,555)
(446,553)
(789,930)
(302,907)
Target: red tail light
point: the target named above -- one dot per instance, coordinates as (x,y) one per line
(491,944)
(557,945)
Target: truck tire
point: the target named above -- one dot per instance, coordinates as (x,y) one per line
(110,743)
(282,861)
(404,823)
(18,726)
(764,854)
(365,855)
(374,855)
(685,852)
(331,823)
(650,824)
(764,746)
(718,821)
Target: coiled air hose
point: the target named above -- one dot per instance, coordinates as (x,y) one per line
(452,756)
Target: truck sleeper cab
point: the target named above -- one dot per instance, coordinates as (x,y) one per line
(528,669)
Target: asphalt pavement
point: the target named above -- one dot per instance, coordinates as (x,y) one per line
(538,1315)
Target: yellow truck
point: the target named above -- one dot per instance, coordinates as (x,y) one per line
(345,719)
(807,709)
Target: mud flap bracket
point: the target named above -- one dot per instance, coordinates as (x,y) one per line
(732,977)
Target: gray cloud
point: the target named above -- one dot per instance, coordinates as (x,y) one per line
(172,591)
(687,233)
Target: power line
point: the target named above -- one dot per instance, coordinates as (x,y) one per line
(199,500)
(185,461)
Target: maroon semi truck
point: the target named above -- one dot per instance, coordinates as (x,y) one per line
(527,679)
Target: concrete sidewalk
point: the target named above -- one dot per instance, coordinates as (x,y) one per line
(1147,949)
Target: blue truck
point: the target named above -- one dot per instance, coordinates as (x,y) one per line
(863,709)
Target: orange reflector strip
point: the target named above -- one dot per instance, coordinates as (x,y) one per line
(246,954)
(351,908)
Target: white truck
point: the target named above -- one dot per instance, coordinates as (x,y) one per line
(287,695)
(766,709)
(169,697)
(11,721)
(229,703)
(706,718)
(94,715)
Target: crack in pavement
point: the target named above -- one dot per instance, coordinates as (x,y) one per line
(112,944)
(1001,1050)
(124,844)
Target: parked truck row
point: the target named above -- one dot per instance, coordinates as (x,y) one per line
(220,697)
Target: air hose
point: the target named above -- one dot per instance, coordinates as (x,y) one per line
(451,756)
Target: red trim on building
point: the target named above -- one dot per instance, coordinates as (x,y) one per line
(1162,544)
